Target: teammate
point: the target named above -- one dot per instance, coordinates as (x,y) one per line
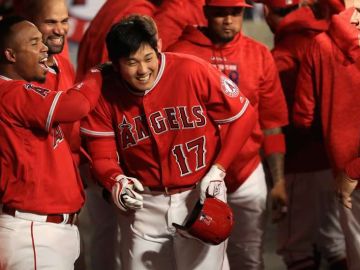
(92,49)
(51,17)
(304,234)
(103,236)
(250,65)
(327,88)
(160,113)
(40,189)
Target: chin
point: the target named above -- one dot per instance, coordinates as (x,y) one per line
(40,79)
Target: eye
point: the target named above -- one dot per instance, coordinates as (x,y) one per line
(131,63)
(148,59)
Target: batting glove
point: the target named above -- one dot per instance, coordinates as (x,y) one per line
(124,195)
(213,184)
(345,187)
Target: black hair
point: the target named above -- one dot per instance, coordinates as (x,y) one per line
(126,36)
(5,31)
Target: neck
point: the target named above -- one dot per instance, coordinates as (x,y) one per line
(9,73)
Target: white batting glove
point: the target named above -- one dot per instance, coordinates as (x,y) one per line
(124,195)
(213,184)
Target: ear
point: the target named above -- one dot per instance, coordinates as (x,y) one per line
(159,44)
(10,55)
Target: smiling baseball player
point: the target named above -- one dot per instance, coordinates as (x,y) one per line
(160,112)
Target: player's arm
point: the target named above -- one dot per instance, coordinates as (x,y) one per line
(234,139)
(274,152)
(78,101)
(231,143)
(106,168)
(273,114)
(304,103)
(101,144)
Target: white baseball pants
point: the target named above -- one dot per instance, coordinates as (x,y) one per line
(152,242)
(245,246)
(34,245)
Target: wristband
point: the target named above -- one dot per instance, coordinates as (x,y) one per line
(274,144)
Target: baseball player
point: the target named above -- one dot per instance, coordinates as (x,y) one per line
(40,189)
(155,143)
(174,15)
(306,164)
(61,74)
(250,65)
(92,49)
(327,89)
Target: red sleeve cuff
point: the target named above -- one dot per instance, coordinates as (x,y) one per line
(352,169)
(274,144)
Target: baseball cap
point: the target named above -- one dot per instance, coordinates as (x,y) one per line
(279,3)
(227,3)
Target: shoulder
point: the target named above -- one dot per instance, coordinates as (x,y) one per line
(254,44)
(186,63)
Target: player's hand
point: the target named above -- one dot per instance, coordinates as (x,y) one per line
(124,193)
(104,68)
(344,188)
(279,201)
(213,184)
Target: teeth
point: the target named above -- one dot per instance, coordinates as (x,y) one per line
(144,78)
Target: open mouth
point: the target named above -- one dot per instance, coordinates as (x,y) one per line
(144,79)
(43,64)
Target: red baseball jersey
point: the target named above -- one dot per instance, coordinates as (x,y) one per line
(92,48)
(327,87)
(305,152)
(174,15)
(250,65)
(61,80)
(169,136)
(37,170)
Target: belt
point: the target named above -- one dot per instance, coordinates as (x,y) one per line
(52,218)
(172,190)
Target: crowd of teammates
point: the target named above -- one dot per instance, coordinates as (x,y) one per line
(240,120)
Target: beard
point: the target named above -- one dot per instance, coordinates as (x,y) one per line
(54,48)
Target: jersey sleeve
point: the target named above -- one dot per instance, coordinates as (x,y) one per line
(272,104)
(101,144)
(224,101)
(99,122)
(31,106)
(304,104)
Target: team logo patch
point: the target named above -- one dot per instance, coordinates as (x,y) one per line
(39,90)
(229,87)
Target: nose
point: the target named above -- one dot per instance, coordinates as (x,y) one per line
(60,28)
(44,48)
(228,19)
(142,68)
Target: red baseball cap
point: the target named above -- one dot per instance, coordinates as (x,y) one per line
(227,3)
(279,3)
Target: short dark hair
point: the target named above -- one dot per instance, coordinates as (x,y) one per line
(126,36)
(6,33)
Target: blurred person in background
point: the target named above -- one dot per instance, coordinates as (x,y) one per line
(327,88)
(312,227)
